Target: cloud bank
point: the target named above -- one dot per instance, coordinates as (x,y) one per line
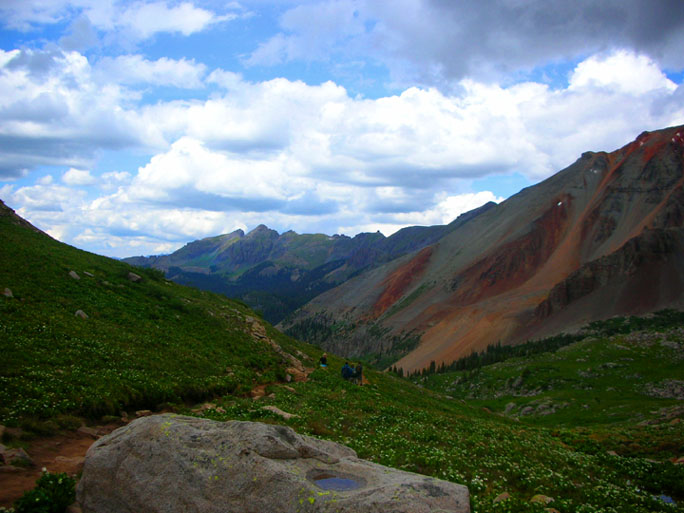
(217,149)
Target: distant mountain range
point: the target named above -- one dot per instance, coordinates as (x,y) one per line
(603,237)
(600,238)
(277,273)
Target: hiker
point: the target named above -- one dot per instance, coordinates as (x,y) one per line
(324,360)
(347,371)
(358,374)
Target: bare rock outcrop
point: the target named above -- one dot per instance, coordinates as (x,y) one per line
(178,464)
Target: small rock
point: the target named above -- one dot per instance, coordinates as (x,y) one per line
(204,407)
(135,278)
(502,497)
(143,413)
(89,274)
(81,314)
(541,499)
(527,410)
(509,408)
(88,431)
(74,275)
(612,453)
(7,293)
(297,374)
(278,411)
(17,457)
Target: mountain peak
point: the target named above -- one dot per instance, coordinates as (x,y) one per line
(262,229)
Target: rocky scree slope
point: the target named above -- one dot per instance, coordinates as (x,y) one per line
(602,237)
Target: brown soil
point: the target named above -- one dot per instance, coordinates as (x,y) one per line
(59,453)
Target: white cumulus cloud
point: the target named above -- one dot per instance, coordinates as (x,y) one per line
(135,69)
(299,156)
(78,177)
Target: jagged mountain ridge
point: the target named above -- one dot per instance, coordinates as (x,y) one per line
(602,237)
(276,273)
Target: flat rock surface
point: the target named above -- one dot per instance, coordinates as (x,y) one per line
(170,463)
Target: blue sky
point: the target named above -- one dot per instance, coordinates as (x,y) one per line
(133,127)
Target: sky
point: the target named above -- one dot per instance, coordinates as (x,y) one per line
(133,127)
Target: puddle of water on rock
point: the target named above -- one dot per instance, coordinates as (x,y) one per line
(338,484)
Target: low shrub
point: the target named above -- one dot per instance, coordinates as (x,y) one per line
(53,494)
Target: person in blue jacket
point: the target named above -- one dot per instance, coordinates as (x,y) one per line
(347,371)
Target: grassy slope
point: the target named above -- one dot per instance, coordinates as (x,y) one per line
(622,379)
(143,343)
(407,427)
(153,341)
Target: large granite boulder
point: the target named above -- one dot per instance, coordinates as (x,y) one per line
(171,463)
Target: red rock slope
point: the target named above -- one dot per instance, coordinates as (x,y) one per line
(603,237)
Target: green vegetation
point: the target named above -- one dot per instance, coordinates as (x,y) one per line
(400,345)
(53,493)
(395,424)
(149,342)
(599,380)
(143,343)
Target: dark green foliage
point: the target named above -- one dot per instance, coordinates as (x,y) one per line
(400,345)
(314,329)
(267,286)
(53,494)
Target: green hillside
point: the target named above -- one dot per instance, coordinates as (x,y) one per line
(143,342)
(152,343)
(628,377)
(616,468)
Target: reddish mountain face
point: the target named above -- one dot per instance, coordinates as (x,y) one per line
(603,237)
